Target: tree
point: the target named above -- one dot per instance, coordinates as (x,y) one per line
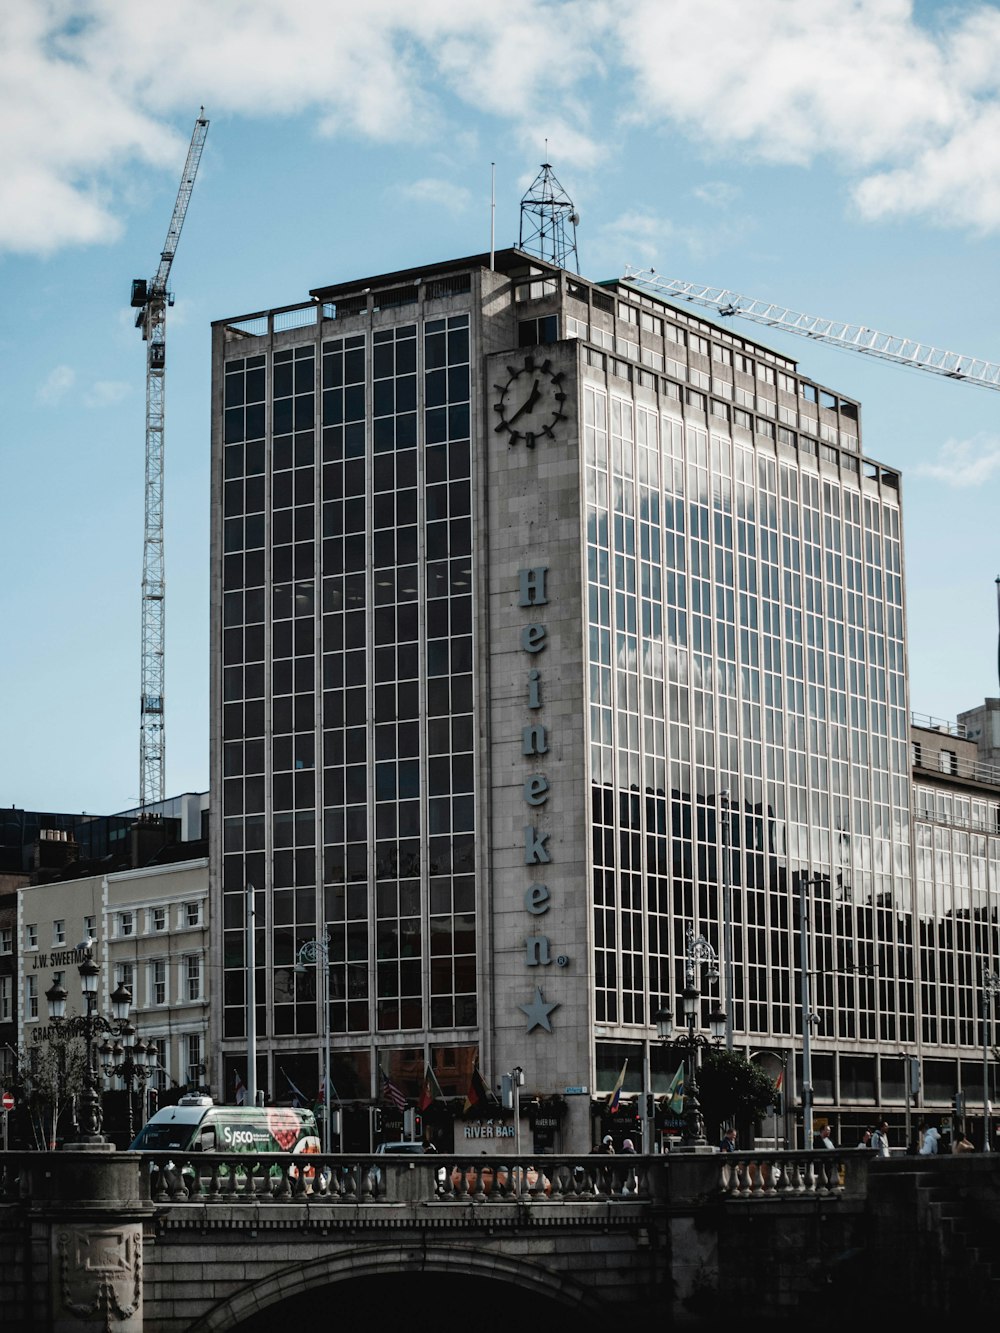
(52,1076)
(733,1090)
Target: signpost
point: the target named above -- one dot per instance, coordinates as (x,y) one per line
(7,1103)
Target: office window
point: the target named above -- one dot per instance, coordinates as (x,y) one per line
(192,914)
(6,999)
(89,927)
(31,996)
(158,983)
(158,918)
(126,923)
(193,970)
(58,933)
(6,939)
(31,937)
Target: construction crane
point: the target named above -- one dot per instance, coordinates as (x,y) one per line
(886,346)
(150,299)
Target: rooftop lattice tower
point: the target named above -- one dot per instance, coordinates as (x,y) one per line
(549,222)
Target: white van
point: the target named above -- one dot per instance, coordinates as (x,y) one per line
(196,1124)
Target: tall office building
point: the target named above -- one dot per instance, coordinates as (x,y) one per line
(558,641)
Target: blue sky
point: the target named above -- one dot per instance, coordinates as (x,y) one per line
(840,158)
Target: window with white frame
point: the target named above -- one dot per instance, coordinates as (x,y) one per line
(158,982)
(126,923)
(6,999)
(58,933)
(6,939)
(157,918)
(31,996)
(31,937)
(195,1068)
(192,914)
(192,967)
(89,927)
(125,976)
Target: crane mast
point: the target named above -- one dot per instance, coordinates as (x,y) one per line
(886,346)
(150,300)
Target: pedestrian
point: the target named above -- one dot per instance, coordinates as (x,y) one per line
(607,1145)
(825,1139)
(728,1141)
(962,1144)
(930,1138)
(880,1139)
(866,1139)
(628,1145)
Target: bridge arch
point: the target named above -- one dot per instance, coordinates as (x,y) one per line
(443,1259)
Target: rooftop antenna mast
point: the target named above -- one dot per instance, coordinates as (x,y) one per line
(150,301)
(549,221)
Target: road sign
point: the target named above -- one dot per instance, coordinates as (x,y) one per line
(7,1101)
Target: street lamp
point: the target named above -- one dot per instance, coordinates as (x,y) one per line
(134,1062)
(317,954)
(991,989)
(697,952)
(728,983)
(808,1017)
(88,1026)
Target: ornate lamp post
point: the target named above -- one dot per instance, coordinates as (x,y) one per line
(697,952)
(134,1062)
(317,953)
(88,1026)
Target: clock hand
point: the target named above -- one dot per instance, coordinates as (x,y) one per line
(528,403)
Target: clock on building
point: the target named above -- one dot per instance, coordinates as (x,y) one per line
(530,404)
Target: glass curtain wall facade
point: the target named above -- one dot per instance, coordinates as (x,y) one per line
(347,738)
(746,646)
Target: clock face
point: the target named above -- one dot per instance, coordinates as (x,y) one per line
(530,404)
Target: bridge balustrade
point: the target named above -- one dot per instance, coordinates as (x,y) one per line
(441,1178)
(486,1179)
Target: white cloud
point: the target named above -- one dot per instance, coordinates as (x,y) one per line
(907,113)
(717,194)
(644,237)
(106,393)
(90,88)
(965,463)
(443,194)
(56,385)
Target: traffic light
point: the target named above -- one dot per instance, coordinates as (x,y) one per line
(650,1106)
(413,1124)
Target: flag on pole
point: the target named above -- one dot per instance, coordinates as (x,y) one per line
(241,1092)
(478,1094)
(675,1093)
(616,1092)
(321,1095)
(299,1098)
(431,1090)
(390,1093)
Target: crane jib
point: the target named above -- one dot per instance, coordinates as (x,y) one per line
(887,346)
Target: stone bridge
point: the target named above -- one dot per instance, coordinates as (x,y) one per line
(129,1242)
